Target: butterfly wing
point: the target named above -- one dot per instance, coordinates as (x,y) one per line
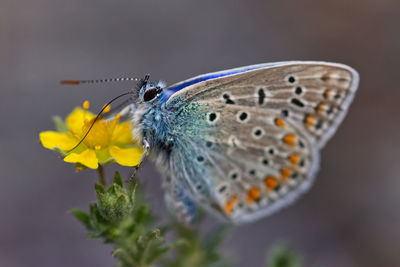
(219,74)
(251,144)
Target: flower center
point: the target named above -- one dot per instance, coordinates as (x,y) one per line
(100,134)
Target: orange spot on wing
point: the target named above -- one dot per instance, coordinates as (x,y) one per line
(285,173)
(271,182)
(230,204)
(253,194)
(235,198)
(228,207)
(294,159)
(280,122)
(290,139)
(326,77)
(321,108)
(328,93)
(309,120)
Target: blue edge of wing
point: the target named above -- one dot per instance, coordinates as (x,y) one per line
(170,91)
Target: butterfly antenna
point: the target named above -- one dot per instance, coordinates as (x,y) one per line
(144,81)
(146,78)
(98,116)
(77,82)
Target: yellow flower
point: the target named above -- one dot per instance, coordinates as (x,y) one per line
(107,141)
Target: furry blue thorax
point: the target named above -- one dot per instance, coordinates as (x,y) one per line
(162,127)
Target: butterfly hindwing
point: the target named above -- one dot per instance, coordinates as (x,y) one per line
(257,135)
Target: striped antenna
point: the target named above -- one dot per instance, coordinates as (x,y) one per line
(77,82)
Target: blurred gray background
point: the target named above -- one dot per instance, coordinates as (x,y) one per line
(351,215)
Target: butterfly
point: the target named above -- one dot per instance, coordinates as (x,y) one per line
(241,143)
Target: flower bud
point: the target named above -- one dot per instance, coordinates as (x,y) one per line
(116,202)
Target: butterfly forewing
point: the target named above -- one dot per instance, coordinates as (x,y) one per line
(316,95)
(257,148)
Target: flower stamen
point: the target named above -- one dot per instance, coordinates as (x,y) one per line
(115,122)
(86,105)
(107,108)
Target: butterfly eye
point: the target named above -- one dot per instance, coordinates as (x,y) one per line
(151,93)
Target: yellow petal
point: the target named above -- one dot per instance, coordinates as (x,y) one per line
(87,158)
(75,120)
(126,156)
(122,134)
(51,140)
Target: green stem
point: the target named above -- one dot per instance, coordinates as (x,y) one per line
(102,178)
(144,255)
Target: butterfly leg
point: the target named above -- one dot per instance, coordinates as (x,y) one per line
(146,148)
(180,204)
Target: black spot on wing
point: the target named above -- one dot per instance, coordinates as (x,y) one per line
(212,116)
(297,102)
(261,96)
(243,116)
(228,99)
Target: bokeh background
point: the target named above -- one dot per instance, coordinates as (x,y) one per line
(351,215)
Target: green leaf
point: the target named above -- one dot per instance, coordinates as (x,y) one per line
(132,185)
(153,255)
(216,237)
(95,217)
(60,124)
(99,188)
(282,255)
(118,179)
(82,217)
(93,235)
(142,214)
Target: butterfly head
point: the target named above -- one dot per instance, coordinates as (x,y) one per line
(150,92)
